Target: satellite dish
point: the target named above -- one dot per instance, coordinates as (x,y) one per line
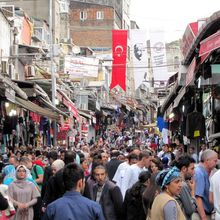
(76,49)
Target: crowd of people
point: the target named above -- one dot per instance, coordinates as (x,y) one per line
(102,181)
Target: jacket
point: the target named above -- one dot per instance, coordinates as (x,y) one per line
(111,200)
(186,202)
(157,210)
(75,207)
(3,202)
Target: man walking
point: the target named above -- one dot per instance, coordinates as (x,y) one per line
(186,198)
(73,205)
(107,194)
(209,160)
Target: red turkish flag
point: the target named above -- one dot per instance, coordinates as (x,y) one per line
(119,51)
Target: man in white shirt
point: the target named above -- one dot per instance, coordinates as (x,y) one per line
(132,172)
(120,172)
(214,193)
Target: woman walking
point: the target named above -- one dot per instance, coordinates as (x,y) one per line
(165,207)
(23,194)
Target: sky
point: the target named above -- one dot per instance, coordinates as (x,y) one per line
(171,16)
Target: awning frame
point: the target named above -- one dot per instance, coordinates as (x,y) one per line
(35,108)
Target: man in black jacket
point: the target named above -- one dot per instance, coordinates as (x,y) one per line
(55,187)
(52,156)
(113,164)
(107,194)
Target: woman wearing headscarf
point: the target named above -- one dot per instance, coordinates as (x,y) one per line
(165,207)
(57,165)
(23,194)
(9,174)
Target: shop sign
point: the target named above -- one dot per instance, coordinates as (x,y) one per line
(73,109)
(80,67)
(210,44)
(85,126)
(188,38)
(190,72)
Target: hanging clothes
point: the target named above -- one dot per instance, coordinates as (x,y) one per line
(195,125)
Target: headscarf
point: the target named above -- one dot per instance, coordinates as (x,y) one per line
(58,164)
(165,177)
(9,173)
(26,173)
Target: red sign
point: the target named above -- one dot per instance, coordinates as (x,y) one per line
(190,72)
(209,44)
(69,105)
(119,51)
(73,109)
(188,38)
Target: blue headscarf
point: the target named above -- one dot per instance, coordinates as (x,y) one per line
(164,177)
(9,173)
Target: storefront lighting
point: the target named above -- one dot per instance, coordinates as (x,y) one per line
(6,104)
(171,115)
(57,102)
(13,112)
(183,108)
(199,83)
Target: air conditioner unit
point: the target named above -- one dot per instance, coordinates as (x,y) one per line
(30,71)
(45,45)
(4,65)
(11,71)
(37,34)
(8,10)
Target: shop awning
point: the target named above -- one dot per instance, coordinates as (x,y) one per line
(69,104)
(88,116)
(211,25)
(170,97)
(35,108)
(179,97)
(191,72)
(52,107)
(9,83)
(208,45)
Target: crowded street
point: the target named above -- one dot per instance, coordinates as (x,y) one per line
(109,110)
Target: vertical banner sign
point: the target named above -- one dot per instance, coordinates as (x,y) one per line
(158,53)
(119,51)
(138,40)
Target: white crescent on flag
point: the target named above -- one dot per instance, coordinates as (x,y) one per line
(119,50)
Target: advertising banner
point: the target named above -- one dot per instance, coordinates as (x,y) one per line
(79,67)
(138,40)
(158,54)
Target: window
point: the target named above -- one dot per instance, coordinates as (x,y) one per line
(100,15)
(83,15)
